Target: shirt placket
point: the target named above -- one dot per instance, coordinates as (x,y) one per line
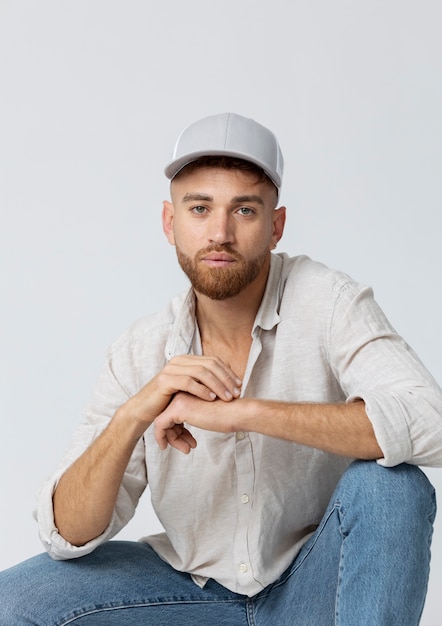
(245,488)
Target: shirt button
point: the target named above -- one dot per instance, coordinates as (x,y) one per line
(243,568)
(245,498)
(240,436)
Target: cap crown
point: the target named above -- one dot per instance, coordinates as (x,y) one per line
(228,134)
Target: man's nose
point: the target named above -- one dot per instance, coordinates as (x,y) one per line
(221,229)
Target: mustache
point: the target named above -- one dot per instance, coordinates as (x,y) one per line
(220,247)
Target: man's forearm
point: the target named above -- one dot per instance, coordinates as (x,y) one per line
(342,429)
(86,494)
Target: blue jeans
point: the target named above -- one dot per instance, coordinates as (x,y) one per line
(367,564)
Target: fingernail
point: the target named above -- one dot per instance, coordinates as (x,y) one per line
(228,395)
(236,392)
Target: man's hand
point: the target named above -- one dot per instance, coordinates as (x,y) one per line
(202,377)
(170,429)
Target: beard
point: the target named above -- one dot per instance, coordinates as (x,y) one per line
(220,283)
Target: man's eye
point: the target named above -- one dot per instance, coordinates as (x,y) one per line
(199,209)
(244,210)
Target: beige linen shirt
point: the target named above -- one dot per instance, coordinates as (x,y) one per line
(239,507)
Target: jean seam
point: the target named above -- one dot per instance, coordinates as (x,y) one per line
(340,572)
(137,605)
(250,612)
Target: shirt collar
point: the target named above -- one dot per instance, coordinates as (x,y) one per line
(268,316)
(183,328)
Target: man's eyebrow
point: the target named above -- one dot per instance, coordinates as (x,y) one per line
(192,197)
(202,197)
(247,198)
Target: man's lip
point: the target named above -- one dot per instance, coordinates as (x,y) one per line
(218,256)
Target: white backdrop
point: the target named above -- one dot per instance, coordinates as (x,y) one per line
(92,96)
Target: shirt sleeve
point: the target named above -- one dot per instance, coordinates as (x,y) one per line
(108,396)
(373,363)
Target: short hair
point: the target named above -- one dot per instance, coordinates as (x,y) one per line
(228,163)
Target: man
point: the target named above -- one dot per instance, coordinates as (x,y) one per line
(277,417)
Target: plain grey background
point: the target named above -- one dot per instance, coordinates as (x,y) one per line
(92,96)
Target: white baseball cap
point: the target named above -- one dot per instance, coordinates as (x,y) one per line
(228,134)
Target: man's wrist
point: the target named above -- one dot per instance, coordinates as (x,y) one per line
(246,411)
(127,425)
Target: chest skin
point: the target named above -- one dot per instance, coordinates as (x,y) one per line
(236,357)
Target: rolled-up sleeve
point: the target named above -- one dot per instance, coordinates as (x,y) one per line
(373,363)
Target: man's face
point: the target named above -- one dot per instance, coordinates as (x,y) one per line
(223,225)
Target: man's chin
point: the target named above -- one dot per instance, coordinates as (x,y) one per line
(218,293)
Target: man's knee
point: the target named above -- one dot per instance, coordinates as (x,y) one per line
(20,587)
(399,490)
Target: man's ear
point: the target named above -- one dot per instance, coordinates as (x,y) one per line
(167,217)
(278,224)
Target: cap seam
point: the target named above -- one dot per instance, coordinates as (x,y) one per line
(227,130)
